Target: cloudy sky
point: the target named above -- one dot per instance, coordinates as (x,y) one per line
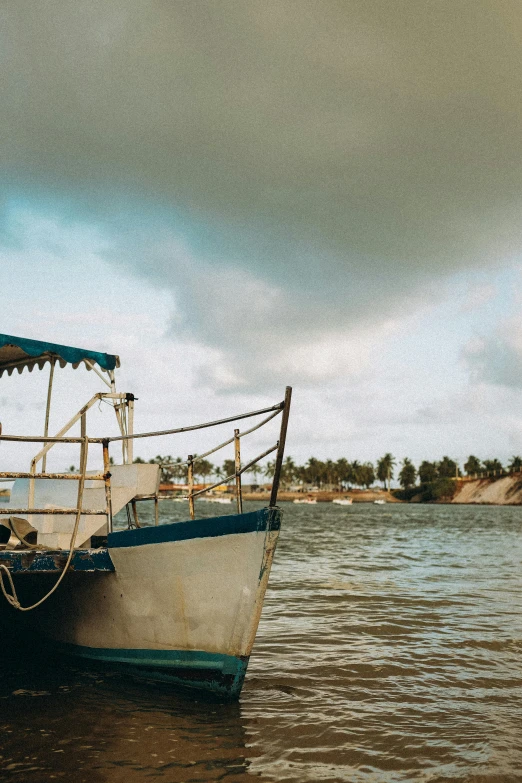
(236,195)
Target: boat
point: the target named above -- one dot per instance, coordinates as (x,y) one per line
(306,501)
(342,501)
(380,502)
(224,501)
(176,602)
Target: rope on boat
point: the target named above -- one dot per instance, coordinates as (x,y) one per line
(12,598)
(22,540)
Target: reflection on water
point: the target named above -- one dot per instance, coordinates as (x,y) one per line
(390,649)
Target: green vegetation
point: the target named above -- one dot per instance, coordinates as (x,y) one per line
(385,469)
(473,465)
(436,480)
(428,472)
(515,466)
(408,474)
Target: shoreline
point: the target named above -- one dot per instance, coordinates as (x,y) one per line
(357,496)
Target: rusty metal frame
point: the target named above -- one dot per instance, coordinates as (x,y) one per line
(127,437)
(48,407)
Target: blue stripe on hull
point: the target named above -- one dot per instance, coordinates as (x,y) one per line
(216,672)
(49,562)
(252,522)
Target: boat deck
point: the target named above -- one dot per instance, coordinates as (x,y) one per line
(47,561)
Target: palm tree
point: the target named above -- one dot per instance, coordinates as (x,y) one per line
(204,469)
(473,465)
(342,467)
(179,469)
(330,473)
(269,469)
(169,468)
(366,474)
(288,471)
(408,473)
(355,469)
(515,466)
(256,470)
(428,472)
(229,467)
(448,468)
(313,471)
(493,466)
(385,469)
(219,473)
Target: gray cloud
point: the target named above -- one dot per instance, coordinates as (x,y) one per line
(497,359)
(322,162)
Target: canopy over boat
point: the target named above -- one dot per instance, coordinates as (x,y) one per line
(19,352)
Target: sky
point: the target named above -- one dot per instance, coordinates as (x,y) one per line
(237,196)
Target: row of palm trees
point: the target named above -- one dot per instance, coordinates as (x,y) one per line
(340,474)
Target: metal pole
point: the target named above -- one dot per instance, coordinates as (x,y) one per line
(130,431)
(83,462)
(190,479)
(48,409)
(281,446)
(117,411)
(237,455)
(122,417)
(107,482)
(135,513)
(30,498)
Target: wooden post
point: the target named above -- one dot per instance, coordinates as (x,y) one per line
(237,456)
(48,409)
(107,482)
(190,479)
(156,511)
(281,446)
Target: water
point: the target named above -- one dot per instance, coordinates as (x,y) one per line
(390,649)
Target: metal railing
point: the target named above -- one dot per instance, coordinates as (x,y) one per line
(275,410)
(84,441)
(282,408)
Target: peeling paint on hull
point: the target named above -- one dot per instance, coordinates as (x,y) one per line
(51,562)
(182,604)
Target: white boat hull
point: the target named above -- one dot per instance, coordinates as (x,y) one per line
(183,602)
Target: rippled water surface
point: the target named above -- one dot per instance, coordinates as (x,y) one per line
(390,648)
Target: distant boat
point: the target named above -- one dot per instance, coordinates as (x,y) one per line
(379,502)
(343,501)
(213,499)
(306,501)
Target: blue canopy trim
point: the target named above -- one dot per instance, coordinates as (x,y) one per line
(19,352)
